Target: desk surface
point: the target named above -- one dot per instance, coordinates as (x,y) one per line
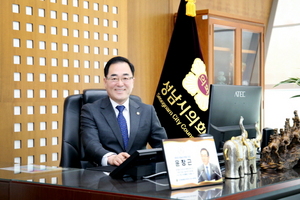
(152,188)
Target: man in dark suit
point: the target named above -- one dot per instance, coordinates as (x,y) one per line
(208,171)
(106,142)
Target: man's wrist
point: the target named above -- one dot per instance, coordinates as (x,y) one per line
(104,161)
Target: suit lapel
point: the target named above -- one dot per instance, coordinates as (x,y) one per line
(135,115)
(110,117)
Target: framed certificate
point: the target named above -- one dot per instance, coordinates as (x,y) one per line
(192,162)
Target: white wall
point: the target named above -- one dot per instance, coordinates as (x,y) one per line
(282,62)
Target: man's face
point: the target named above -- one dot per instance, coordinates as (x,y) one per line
(204,157)
(119,82)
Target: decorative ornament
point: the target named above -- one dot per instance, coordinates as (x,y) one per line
(283,150)
(190,8)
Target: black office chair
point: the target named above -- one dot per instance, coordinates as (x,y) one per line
(72,153)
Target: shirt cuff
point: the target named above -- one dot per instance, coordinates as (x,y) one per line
(105,158)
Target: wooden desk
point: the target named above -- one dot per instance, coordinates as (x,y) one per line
(89,185)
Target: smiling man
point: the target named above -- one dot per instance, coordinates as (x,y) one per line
(114,127)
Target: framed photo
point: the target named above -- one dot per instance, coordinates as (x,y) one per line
(192,162)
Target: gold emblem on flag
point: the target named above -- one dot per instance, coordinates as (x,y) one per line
(196,84)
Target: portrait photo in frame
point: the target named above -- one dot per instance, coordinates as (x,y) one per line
(192,162)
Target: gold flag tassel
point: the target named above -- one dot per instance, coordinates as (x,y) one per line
(190,8)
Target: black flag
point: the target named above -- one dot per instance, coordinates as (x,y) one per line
(181,98)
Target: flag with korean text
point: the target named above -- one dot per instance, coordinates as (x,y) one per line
(182,95)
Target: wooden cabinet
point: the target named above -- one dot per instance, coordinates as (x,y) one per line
(232,48)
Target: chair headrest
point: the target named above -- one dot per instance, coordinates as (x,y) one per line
(91,95)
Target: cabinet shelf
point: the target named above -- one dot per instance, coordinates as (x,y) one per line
(222,49)
(229,50)
(248,51)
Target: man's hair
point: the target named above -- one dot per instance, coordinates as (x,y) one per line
(204,149)
(118,59)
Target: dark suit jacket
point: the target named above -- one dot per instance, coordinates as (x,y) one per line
(215,173)
(101,134)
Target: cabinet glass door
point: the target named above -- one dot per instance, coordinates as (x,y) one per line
(250,58)
(224,48)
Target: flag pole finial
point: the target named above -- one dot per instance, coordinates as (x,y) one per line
(190,8)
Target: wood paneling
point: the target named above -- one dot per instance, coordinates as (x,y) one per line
(250,9)
(150,26)
(58,79)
